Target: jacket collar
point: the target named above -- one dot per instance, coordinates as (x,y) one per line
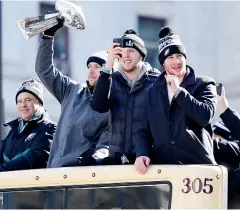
(15,123)
(152,72)
(147,70)
(118,76)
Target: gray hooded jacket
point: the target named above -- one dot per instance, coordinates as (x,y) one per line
(79,127)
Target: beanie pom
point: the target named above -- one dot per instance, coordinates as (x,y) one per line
(165,31)
(130,31)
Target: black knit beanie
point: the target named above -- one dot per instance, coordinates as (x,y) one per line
(169,44)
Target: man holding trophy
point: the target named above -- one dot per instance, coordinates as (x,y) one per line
(79,127)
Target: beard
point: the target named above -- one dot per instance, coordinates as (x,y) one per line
(128,69)
(92,82)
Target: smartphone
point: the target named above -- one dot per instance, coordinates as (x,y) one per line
(219,88)
(118,40)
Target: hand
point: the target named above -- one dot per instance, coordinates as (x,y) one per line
(114,52)
(141,164)
(222,102)
(172,82)
(86,159)
(52,31)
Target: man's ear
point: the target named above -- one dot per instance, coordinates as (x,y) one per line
(40,103)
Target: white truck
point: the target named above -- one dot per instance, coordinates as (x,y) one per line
(116,187)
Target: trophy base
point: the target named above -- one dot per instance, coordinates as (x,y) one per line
(34,25)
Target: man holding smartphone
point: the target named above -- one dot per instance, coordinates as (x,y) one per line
(227,145)
(229,116)
(123,93)
(226,132)
(179,109)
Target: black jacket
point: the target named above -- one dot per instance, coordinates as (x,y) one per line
(228,152)
(232,120)
(126,107)
(181,130)
(29,149)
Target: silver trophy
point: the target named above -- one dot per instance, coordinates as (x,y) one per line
(72,14)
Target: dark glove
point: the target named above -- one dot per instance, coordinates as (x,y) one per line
(86,159)
(118,159)
(52,31)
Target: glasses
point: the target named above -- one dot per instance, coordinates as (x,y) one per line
(25,101)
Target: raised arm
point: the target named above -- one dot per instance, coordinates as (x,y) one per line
(102,93)
(58,84)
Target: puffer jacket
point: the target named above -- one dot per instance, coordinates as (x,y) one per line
(126,105)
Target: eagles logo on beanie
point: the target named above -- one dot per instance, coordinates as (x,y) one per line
(98,57)
(32,86)
(169,44)
(132,39)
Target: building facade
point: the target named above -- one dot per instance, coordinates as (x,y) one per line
(209,31)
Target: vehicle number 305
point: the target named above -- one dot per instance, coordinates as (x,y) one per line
(198,185)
